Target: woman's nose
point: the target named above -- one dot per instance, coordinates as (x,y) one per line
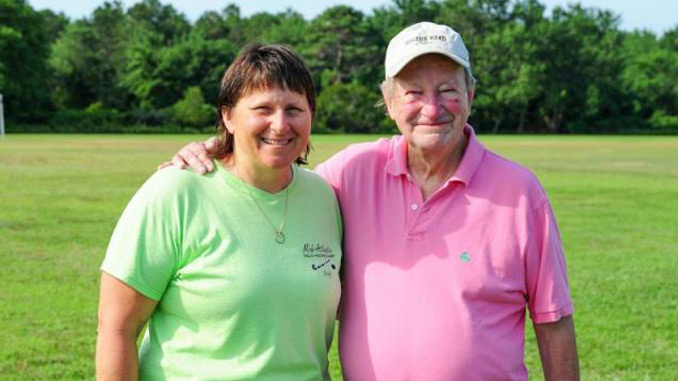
(280,123)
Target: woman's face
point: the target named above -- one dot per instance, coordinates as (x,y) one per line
(270,128)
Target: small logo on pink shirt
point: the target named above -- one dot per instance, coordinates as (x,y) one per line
(465,257)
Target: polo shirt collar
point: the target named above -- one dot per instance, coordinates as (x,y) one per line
(397,161)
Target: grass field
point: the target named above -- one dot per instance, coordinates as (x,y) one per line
(616,199)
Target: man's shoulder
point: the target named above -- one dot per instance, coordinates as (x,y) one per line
(381,145)
(510,176)
(508,167)
(365,152)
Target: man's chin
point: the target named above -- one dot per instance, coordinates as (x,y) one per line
(432,140)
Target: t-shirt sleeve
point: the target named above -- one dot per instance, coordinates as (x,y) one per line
(547,285)
(144,247)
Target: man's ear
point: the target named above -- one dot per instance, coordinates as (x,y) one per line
(388,100)
(226,118)
(470,94)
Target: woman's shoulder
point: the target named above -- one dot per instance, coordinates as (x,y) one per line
(171,182)
(312,180)
(309,177)
(174,176)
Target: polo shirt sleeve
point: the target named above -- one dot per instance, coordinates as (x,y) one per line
(547,285)
(143,250)
(332,170)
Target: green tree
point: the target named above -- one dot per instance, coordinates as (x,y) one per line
(474,19)
(342,47)
(351,108)
(651,74)
(191,110)
(24,48)
(507,79)
(669,40)
(579,49)
(164,20)
(290,29)
(211,25)
(89,59)
(391,19)
(498,35)
(159,76)
(139,77)
(234,25)
(254,27)
(55,23)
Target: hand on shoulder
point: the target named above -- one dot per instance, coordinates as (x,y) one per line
(196,155)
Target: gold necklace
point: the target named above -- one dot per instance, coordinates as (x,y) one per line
(279,234)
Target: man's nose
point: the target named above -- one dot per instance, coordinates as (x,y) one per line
(432,107)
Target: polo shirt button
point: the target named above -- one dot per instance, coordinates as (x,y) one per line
(414,206)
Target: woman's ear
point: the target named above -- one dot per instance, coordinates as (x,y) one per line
(226,119)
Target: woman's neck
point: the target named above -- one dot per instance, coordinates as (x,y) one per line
(271,180)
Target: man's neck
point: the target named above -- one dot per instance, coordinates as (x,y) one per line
(431,170)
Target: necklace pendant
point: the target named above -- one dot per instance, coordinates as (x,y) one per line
(279,237)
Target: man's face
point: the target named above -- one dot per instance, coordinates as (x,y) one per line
(430,103)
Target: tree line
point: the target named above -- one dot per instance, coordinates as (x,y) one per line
(149,69)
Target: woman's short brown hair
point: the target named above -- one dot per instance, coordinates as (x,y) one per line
(256,68)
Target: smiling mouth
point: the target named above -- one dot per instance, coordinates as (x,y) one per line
(437,123)
(434,126)
(277,142)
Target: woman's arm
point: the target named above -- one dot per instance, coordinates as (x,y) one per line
(123,311)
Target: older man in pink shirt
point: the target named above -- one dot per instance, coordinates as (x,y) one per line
(446,243)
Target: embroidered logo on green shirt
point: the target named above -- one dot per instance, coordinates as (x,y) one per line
(320,252)
(465,257)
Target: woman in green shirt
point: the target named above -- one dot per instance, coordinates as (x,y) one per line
(235,272)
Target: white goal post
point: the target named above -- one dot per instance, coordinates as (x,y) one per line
(2,120)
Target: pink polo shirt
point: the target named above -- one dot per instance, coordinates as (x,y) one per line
(437,290)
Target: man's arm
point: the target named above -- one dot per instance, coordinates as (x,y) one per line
(558,350)
(123,311)
(197,155)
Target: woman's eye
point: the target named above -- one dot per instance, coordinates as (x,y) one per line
(262,109)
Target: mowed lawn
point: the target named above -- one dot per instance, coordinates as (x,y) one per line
(616,200)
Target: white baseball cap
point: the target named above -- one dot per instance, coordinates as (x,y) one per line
(424,38)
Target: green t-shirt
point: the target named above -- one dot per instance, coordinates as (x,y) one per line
(232,303)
